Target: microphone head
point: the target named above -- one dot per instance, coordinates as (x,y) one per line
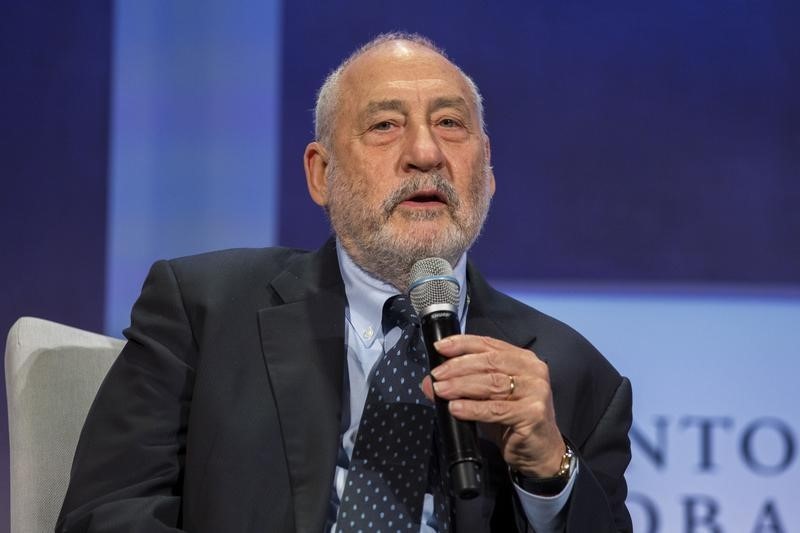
(433,283)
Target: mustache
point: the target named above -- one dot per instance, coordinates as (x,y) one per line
(422,182)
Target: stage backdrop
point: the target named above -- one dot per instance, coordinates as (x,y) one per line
(648,176)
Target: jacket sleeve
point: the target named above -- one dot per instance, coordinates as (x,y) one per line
(598,496)
(127,472)
(597,500)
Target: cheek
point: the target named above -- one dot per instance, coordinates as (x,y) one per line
(465,163)
(362,169)
(375,183)
(473,183)
(377,162)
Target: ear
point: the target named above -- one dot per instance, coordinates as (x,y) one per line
(315,162)
(487,150)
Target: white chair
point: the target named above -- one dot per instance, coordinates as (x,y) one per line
(52,375)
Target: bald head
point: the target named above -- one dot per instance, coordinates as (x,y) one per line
(398,45)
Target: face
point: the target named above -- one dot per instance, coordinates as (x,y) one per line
(408,174)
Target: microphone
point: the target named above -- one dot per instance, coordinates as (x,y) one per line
(434,294)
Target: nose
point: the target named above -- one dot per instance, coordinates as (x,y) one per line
(422,151)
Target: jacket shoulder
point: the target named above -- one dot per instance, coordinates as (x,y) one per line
(554,340)
(264,260)
(583,380)
(235,265)
(235,274)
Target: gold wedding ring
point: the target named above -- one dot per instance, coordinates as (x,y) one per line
(512,384)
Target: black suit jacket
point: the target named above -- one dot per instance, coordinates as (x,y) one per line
(222,412)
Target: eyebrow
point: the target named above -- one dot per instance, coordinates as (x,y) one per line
(442,102)
(383,105)
(455,102)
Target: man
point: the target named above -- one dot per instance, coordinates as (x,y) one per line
(237,402)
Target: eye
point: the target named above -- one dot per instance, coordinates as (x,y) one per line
(383,126)
(450,123)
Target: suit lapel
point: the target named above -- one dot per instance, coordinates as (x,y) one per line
(492,313)
(303,346)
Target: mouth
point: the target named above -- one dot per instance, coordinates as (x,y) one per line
(425,198)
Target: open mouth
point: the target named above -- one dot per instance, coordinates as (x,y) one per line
(426,198)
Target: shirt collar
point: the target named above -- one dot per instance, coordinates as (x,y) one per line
(367,294)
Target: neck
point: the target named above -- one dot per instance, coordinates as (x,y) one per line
(388,265)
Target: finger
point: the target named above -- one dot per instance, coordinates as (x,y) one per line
(512,362)
(427,387)
(487,411)
(485,386)
(523,416)
(462,344)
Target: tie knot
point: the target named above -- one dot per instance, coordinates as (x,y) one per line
(398,312)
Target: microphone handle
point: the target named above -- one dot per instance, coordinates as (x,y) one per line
(460,438)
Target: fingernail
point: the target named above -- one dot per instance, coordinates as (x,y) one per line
(441,343)
(437,372)
(455,406)
(439,387)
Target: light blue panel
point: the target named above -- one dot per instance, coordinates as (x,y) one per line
(194,135)
(726,361)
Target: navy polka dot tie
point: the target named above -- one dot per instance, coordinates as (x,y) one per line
(390,470)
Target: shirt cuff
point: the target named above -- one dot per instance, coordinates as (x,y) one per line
(545,514)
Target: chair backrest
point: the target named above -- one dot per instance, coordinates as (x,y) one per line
(52,375)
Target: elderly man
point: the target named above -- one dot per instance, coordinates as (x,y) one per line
(236,404)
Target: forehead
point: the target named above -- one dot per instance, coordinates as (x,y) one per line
(401,69)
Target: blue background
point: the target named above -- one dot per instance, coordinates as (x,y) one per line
(647,158)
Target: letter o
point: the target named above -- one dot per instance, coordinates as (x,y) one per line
(749,455)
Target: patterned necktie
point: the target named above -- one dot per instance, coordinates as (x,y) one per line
(391,464)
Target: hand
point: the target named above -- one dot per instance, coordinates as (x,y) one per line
(476,381)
